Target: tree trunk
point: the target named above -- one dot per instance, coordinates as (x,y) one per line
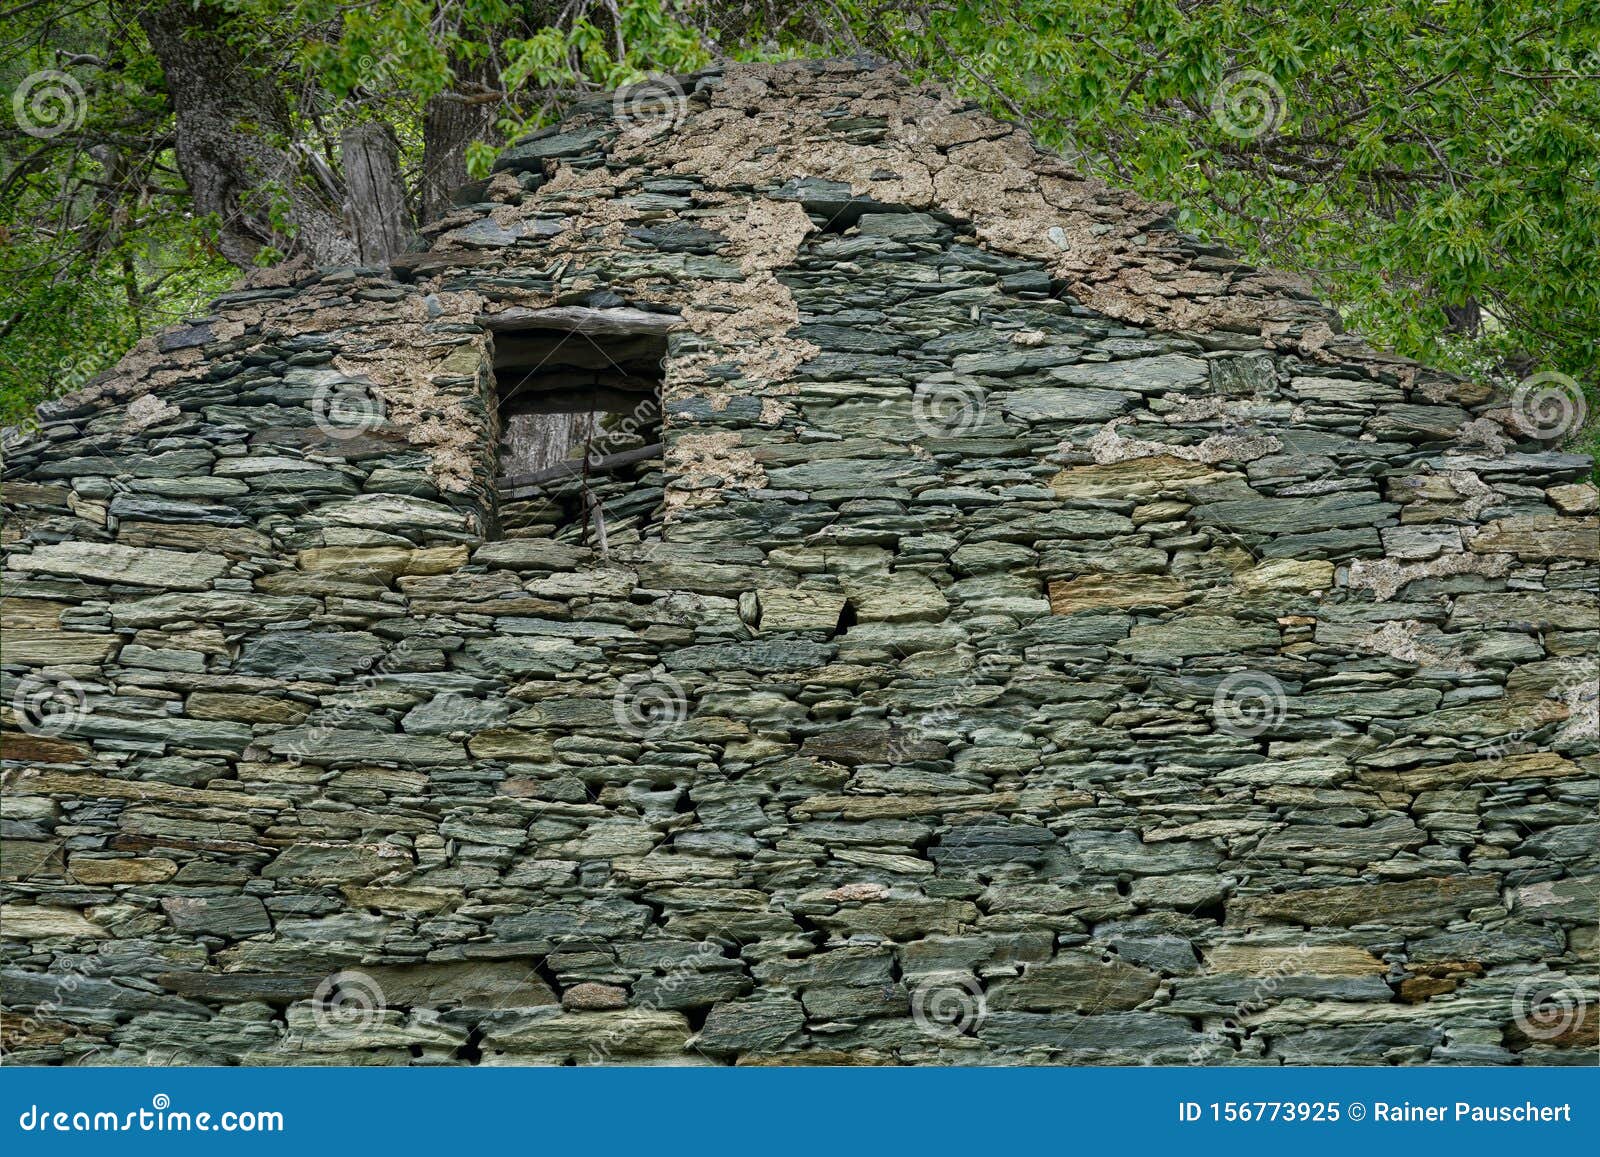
(233,140)
(1466,318)
(376,209)
(532,443)
(449,126)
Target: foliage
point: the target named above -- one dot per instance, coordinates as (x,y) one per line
(1433,165)
(96,244)
(100,243)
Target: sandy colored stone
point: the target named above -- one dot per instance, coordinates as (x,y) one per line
(95,786)
(1416,989)
(1539,537)
(1575,497)
(46,648)
(592,997)
(1115,592)
(1286,575)
(42,922)
(244,708)
(91,870)
(1433,901)
(800,610)
(20,747)
(1134,478)
(1532,765)
(1293,960)
(29,615)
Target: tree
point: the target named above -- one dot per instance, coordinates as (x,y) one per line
(159,144)
(1434,167)
(236,142)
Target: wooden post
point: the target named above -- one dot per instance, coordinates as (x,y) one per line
(376,210)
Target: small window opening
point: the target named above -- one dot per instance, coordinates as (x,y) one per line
(580,429)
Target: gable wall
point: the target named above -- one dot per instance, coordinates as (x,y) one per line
(1122,694)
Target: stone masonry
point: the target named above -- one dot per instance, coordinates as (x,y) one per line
(1042,639)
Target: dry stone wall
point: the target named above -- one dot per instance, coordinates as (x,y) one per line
(1055,644)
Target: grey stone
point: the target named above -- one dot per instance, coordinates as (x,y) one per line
(230,916)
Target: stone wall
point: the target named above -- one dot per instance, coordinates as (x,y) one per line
(1062,646)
